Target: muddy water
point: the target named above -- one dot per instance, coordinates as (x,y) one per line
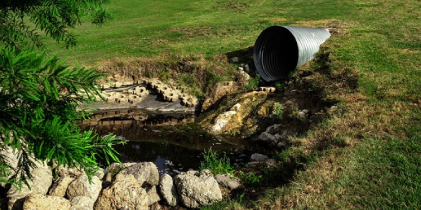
(171,140)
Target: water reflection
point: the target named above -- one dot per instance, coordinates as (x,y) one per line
(171,141)
(169,158)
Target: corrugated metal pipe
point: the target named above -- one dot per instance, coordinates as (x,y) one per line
(281,49)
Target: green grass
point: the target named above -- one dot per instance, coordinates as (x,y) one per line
(371,146)
(377,174)
(149,28)
(390,164)
(215,163)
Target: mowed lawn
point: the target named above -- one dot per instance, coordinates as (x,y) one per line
(145,28)
(380,165)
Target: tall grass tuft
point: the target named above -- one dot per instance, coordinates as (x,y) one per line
(218,165)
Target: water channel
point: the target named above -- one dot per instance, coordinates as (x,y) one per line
(171,140)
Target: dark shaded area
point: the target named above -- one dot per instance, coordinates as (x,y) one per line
(307,90)
(171,141)
(245,56)
(276,53)
(3,197)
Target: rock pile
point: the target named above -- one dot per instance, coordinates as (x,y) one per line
(121,186)
(274,136)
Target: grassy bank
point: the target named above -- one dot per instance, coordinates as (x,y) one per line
(368,153)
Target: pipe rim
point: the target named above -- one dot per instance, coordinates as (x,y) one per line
(274,62)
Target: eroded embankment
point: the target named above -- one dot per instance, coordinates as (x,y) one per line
(272,114)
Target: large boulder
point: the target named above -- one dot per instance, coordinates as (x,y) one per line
(145,173)
(82,187)
(59,187)
(113,169)
(196,189)
(82,203)
(42,179)
(124,193)
(42,202)
(168,190)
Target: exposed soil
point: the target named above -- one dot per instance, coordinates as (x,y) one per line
(299,103)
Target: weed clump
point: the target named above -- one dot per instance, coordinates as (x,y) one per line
(216,164)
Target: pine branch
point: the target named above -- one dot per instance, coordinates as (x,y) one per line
(37,118)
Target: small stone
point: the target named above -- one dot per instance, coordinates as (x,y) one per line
(270,162)
(240,69)
(258,157)
(234,59)
(301,114)
(228,181)
(247,68)
(244,75)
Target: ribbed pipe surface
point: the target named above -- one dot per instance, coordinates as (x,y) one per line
(281,49)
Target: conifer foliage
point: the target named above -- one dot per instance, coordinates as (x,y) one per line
(40,97)
(38,111)
(21,21)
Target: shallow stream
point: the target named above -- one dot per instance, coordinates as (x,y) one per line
(171,140)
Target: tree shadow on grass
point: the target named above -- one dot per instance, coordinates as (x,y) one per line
(306,98)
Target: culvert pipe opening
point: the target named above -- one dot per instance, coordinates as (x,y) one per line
(281,49)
